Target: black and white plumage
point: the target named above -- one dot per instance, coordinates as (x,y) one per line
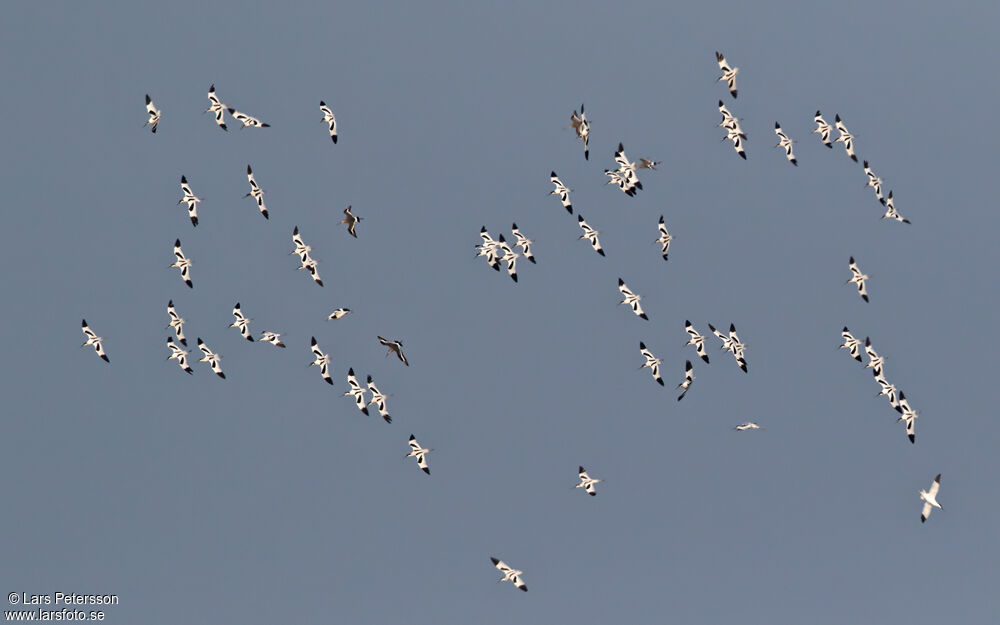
(889,391)
(890,210)
(329,119)
(510,574)
(664,240)
(908,416)
(183,263)
(645,163)
(509,257)
(191,200)
(307,262)
(728,119)
(524,243)
(274,338)
(587,483)
(652,362)
(419,453)
(874,182)
(248,121)
(242,323)
(312,266)
(578,122)
(351,221)
(696,339)
(631,299)
(591,235)
(356,392)
(211,358)
(394,346)
(338,313)
(732,344)
(875,361)
(488,249)
(929,497)
(217,107)
(852,344)
(625,175)
(728,73)
(688,379)
(785,142)
(154,114)
(846,138)
(256,193)
(322,361)
(562,191)
(179,354)
(823,129)
(94,341)
(736,136)
(176,323)
(858,278)
(749,425)
(378,398)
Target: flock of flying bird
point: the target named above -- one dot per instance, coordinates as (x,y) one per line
(497,251)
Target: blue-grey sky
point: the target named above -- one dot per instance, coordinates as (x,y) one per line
(267,497)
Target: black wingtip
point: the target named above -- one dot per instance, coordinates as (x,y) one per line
(913,439)
(601,252)
(864,297)
(329,381)
(105,358)
(642,345)
(743,155)
(334,137)
(660,381)
(552,175)
(643,316)
(364,411)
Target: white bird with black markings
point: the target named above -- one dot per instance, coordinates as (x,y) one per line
(509,257)
(727,342)
(301,249)
(736,136)
(852,344)
(242,323)
(256,193)
(652,362)
(875,361)
(631,299)
(274,338)
(738,348)
(786,143)
(322,361)
(378,398)
(728,73)
(419,453)
(846,138)
(178,354)
(94,341)
(154,114)
(524,243)
(510,574)
(176,323)
(874,182)
(562,191)
(183,263)
(688,379)
(908,416)
(890,211)
(312,266)
(929,497)
(591,235)
(329,120)
(356,392)
(191,200)
(488,249)
(665,239)
(351,221)
(248,121)
(888,391)
(394,346)
(858,278)
(695,339)
(338,313)
(587,483)
(217,107)
(645,163)
(211,358)
(579,123)
(628,180)
(728,119)
(749,425)
(823,129)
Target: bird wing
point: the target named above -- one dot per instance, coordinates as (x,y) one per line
(935,487)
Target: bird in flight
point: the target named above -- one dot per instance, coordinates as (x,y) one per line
(929,497)
(274,338)
(696,339)
(248,121)
(256,193)
(631,299)
(211,358)
(875,361)
(857,278)
(329,120)
(591,235)
(93,340)
(889,391)
(688,379)
(652,362)
(394,346)
(625,175)
(846,138)
(488,249)
(587,483)
(874,182)
(242,322)
(378,398)
(176,323)
(307,262)
(736,136)
(908,416)
(216,106)
(890,211)
(645,163)
(510,575)
(729,121)
(562,191)
(786,143)
(322,361)
(664,239)
(178,354)
(509,257)
(749,425)
(350,220)
(338,313)
(191,200)
(419,453)
(579,123)
(852,344)
(154,114)
(823,129)
(183,263)
(728,73)
(356,392)
(524,243)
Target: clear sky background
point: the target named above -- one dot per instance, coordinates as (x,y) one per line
(268,497)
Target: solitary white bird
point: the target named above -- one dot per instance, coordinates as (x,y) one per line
(338,313)
(688,379)
(852,344)
(728,73)
(631,299)
(242,323)
(350,220)
(488,249)
(419,453)
(587,483)
(524,243)
(664,239)
(256,193)
(329,119)
(562,191)
(908,416)
(322,361)
(509,257)
(738,348)
(823,129)
(929,497)
(579,123)
(875,361)
(858,278)
(378,398)
(176,323)
(749,425)
(356,392)
(211,358)
(874,182)
(696,339)
(394,346)
(178,354)
(182,263)
(890,211)
(248,121)
(312,266)
(217,107)
(591,235)
(154,114)
(274,338)
(509,574)
(93,340)
(846,138)
(786,143)
(191,200)
(652,362)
